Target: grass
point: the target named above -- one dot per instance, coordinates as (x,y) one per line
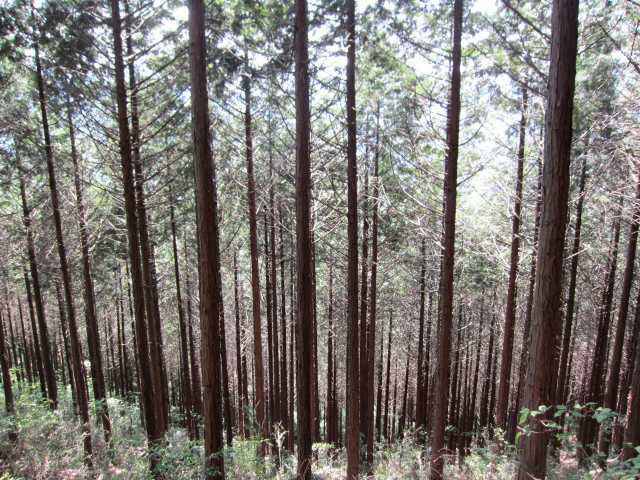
(49,447)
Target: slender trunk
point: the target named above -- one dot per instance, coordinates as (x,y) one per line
(353,387)
(209,261)
(158,373)
(196,388)
(524,352)
(632,430)
(42,347)
(331,434)
(510,310)
(373,299)
(421,404)
(76,347)
(93,334)
(274,298)
(284,390)
(239,372)
(403,411)
(147,390)
(385,422)
(270,343)
(362,333)
(255,271)
(613,380)
(28,360)
(187,401)
(379,389)
(304,260)
(542,369)
(448,248)
(571,296)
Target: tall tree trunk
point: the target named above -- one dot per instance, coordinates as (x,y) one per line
(571,296)
(524,352)
(421,377)
(510,309)
(76,347)
(271,411)
(147,390)
(353,387)
(193,357)
(373,299)
(158,373)
(542,368)
(274,297)
(385,422)
(304,261)
(259,389)
(632,430)
(239,372)
(93,334)
(379,389)
(187,401)
(448,248)
(613,380)
(209,261)
(42,347)
(631,350)
(284,390)
(331,433)
(28,360)
(362,333)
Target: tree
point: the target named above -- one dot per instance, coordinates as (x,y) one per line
(542,369)
(304,294)
(448,251)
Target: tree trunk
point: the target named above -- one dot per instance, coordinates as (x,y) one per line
(632,431)
(379,389)
(93,334)
(239,372)
(209,261)
(255,270)
(613,380)
(448,248)
(76,347)
(542,369)
(331,433)
(284,391)
(362,333)
(385,422)
(353,387)
(421,403)
(27,358)
(304,261)
(510,309)
(571,296)
(42,347)
(187,401)
(147,390)
(371,327)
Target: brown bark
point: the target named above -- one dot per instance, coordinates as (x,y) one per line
(259,388)
(510,309)
(274,298)
(353,387)
(158,372)
(196,388)
(304,261)
(571,296)
(542,369)
(76,347)
(448,248)
(147,390)
(385,421)
(187,401)
(331,411)
(93,334)
(271,410)
(632,430)
(362,332)
(486,385)
(379,389)
(284,390)
(373,299)
(421,403)
(6,374)
(239,372)
(42,347)
(27,358)
(613,380)
(209,261)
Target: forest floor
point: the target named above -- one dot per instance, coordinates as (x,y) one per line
(49,447)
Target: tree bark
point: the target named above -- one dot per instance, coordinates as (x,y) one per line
(448,248)
(613,380)
(510,309)
(353,387)
(304,261)
(209,261)
(147,390)
(542,369)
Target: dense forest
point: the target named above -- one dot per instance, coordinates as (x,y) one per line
(332,239)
